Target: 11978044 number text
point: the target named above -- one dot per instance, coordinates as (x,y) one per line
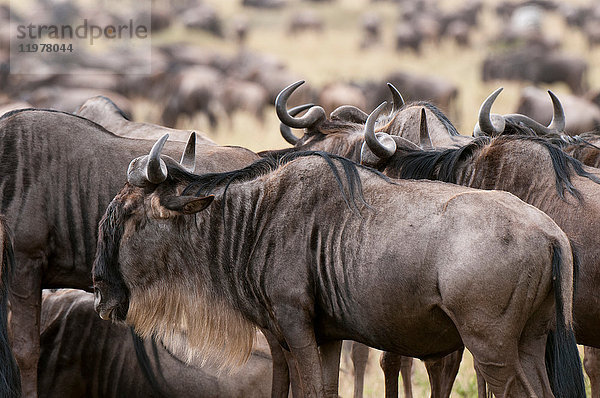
(45,48)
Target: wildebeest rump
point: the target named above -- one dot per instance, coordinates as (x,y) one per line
(106,113)
(54,189)
(537,66)
(539,173)
(315,266)
(83,356)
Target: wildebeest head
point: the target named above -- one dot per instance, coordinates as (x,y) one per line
(152,299)
(379,147)
(493,124)
(124,216)
(342,132)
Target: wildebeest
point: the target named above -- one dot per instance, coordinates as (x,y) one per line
(333,95)
(459,32)
(403,120)
(107,114)
(539,173)
(315,266)
(268,71)
(494,125)
(203,17)
(10,382)
(69,99)
(537,66)
(192,90)
(83,356)
(242,95)
(414,87)
(581,115)
(583,147)
(264,3)
(371,27)
(54,190)
(406,36)
(305,21)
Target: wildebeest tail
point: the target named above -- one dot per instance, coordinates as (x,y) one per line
(10,378)
(563,363)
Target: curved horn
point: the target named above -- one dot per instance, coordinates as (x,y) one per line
(556,126)
(424,138)
(387,146)
(558,118)
(285,131)
(148,168)
(486,124)
(156,169)
(188,159)
(313,117)
(349,113)
(397,100)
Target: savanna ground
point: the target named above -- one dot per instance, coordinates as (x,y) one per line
(334,55)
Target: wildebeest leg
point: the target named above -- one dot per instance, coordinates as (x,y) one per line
(280,381)
(360,357)
(330,363)
(26,303)
(509,370)
(298,332)
(294,376)
(390,364)
(406,366)
(591,363)
(442,373)
(481,386)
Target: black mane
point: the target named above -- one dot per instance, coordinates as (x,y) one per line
(513,127)
(443,165)
(206,183)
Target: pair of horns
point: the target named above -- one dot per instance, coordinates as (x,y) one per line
(151,169)
(382,144)
(493,124)
(316,115)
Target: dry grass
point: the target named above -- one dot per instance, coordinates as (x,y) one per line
(335,56)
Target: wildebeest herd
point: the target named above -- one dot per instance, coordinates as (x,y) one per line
(198,269)
(243,272)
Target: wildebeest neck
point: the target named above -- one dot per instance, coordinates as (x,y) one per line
(206,183)
(490,161)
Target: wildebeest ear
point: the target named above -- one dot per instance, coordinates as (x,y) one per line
(403,143)
(187,204)
(424,138)
(367,157)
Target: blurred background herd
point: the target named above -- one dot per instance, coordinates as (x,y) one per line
(217,66)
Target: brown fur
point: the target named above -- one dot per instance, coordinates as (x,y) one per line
(177,315)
